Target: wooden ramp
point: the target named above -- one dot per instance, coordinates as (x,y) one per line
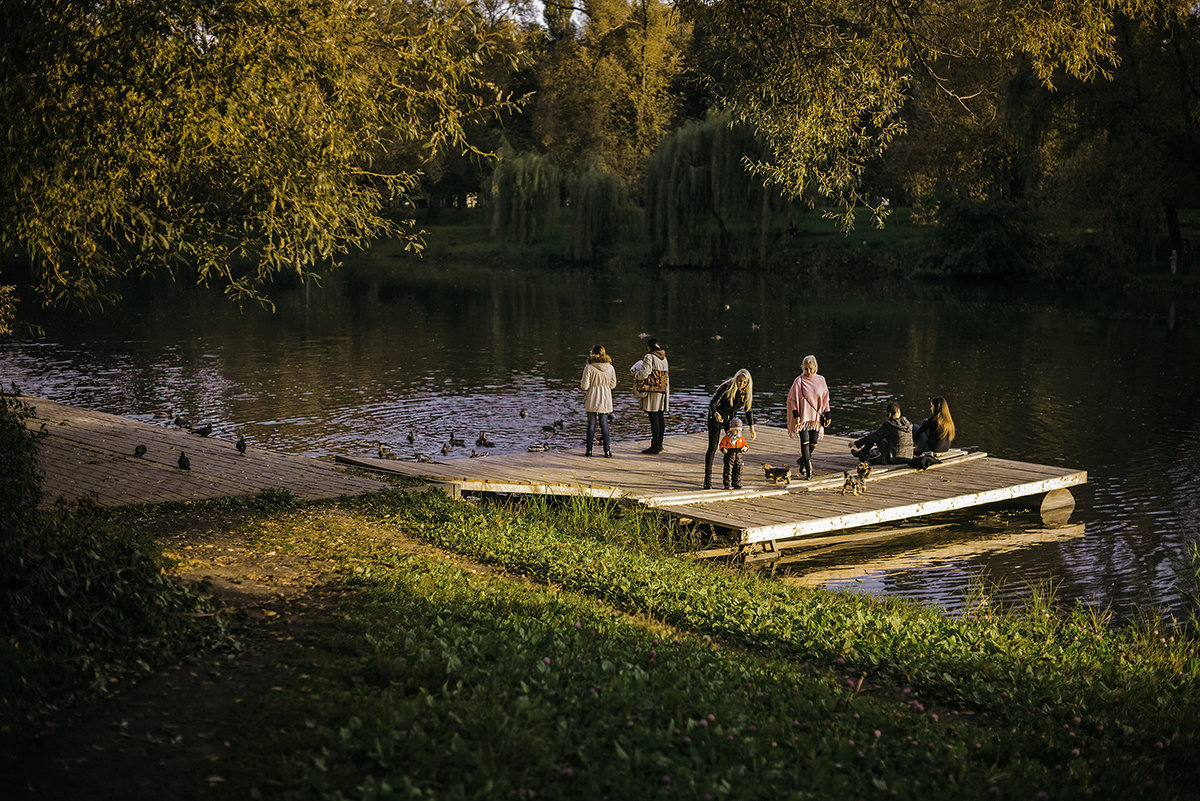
(86,453)
(764,517)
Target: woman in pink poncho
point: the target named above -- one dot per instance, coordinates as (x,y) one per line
(807,401)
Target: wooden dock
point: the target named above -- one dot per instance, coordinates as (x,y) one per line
(91,454)
(764,519)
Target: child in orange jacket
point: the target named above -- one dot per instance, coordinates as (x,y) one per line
(733,445)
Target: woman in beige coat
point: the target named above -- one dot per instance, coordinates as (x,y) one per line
(599,379)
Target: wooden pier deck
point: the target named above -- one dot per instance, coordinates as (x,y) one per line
(88,453)
(763,517)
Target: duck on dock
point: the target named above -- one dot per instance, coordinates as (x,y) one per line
(139,451)
(203,431)
(241,444)
(184,462)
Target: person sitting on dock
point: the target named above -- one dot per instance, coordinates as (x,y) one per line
(891,443)
(734,395)
(936,432)
(733,445)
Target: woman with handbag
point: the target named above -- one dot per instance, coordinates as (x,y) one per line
(808,411)
(653,385)
(733,396)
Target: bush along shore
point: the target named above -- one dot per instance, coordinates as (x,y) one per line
(555,649)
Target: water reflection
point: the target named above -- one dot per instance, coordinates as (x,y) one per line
(1101,384)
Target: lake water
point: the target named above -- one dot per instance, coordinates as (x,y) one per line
(1106,384)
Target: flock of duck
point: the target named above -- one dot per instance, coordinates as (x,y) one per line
(385,452)
(482,441)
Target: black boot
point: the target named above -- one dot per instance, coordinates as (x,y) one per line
(737,472)
(805,460)
(708,479)
(726,475)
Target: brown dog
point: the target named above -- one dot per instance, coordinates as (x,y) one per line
(777,474)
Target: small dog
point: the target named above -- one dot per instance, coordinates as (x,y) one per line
(777,474)
(856,483)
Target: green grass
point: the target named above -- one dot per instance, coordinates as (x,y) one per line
(625,670)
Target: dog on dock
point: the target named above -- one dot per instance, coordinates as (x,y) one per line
(777,474)
(856,483)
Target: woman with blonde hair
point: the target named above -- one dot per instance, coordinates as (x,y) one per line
(936,432)
(808,411)
(599,379)
(734,395)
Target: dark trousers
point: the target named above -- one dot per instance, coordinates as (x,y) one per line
(658,427)
(591,430)
(715,430)
(733,470)
(808,444)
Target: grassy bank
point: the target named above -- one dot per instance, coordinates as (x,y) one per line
(564,651)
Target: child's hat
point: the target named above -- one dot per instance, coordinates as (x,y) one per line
(735,423)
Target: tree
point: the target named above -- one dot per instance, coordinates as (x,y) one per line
(232,138)
(702,206)
(824,81)
(604,87)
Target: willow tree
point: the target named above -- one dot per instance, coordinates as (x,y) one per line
(601,211)
(824,81)
(231,138)
(703,206)
(525,196)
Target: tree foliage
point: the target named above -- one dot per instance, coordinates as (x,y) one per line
(605,85)
(702,206)
(233,138)
(525,196)
(824,81)
(601,211)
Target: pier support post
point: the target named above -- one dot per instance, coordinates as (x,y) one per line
(1056,507)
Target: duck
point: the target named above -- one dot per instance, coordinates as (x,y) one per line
(384,451)
(454,441)
(524,413)
(551,428)
(558,423)
(412,437)
(184,462)
(179,421)
(240,444)
(540,446)
(475,455)
(423,459)
(445,449)
(483,441)
(139,451)
(203,431)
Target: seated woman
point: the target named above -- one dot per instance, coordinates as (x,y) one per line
(891,443)
(936,432)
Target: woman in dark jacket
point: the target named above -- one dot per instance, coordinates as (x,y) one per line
(733,396)
(936,432)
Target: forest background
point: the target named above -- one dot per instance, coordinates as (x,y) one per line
(227,141)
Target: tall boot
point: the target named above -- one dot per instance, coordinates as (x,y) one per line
(708,460)
(806,459)
(728,470)
(736,483)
